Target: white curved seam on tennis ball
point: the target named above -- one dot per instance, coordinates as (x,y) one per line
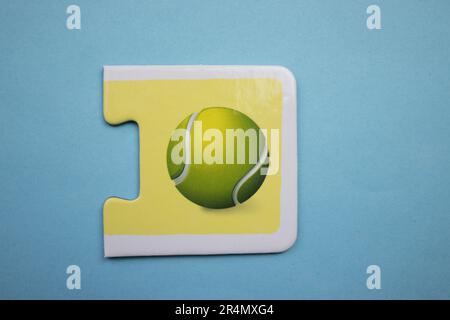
(249,174)
(187,150)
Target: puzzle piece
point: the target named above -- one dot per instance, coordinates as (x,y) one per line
(161,221)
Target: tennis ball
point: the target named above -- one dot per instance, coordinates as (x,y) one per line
(217,157)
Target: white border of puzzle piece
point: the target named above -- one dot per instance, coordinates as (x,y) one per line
(185,244)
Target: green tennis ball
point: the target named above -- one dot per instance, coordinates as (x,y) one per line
(217,159)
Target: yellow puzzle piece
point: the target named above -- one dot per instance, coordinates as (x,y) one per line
(161,221)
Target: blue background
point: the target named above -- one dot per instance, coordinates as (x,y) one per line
(374,145)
